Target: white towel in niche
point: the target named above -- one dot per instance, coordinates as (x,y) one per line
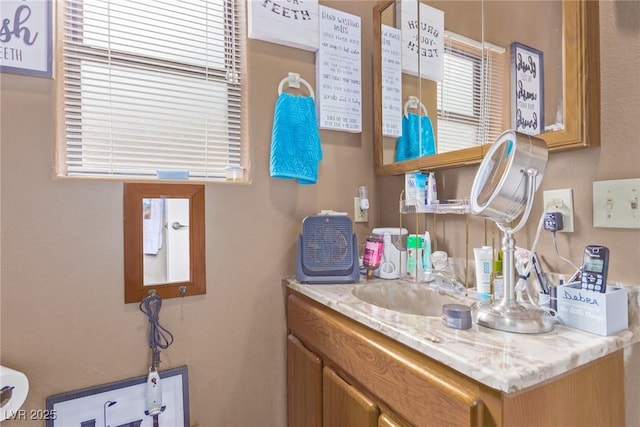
(152,225)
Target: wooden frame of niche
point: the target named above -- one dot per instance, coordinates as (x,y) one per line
(134,288)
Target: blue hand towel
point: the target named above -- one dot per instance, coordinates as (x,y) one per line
(295,140)
(417,138)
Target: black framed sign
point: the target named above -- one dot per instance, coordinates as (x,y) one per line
(122,403)
(527,89)
(26,44)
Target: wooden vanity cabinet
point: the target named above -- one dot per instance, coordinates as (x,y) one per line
(343,405)
(304,385)
(344,374)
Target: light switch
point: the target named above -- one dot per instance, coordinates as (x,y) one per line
(615,203)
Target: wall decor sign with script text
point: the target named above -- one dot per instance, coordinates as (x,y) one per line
(527,89)
(339,71)
(26,45)
(391,81)
(292,23)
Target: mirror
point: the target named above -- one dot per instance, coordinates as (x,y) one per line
(164,239)
(503,189)
(488,50)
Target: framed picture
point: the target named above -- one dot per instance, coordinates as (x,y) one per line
(26,43)
(122,403)
(527,89)
(289,23)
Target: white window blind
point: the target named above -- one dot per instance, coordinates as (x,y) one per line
(471,94)
(151,86)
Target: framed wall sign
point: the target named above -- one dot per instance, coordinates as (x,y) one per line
(391,81)
(339,75)
(289,23)
(122,403)
(527,89)
(423,49)
(26,44)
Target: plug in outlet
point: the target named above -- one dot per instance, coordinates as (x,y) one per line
(560,201)
(359,214)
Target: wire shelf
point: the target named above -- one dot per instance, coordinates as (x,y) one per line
(452,206)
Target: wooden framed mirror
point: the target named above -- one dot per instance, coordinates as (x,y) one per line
(164,240)
(569,40)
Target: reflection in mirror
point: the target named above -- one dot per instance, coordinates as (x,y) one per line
(524,65)
(447,68)
(164,239)
(165,244)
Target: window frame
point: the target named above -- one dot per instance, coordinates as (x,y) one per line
(233,76)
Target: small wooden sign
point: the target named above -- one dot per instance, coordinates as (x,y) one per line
(291,23)
(527,89)
(26,45)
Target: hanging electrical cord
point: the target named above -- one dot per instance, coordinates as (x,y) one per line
(568,261)
(523,262)
(159,338)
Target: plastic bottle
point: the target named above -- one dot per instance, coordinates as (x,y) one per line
(432,189)
(421,189)
(372,255)
(483,258)
(498,280)
(410,189)
(414,257)
(426,252)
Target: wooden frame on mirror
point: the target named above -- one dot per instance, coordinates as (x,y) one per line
(135,289)
(581,90)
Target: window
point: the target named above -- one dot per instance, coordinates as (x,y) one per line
(150,86)
(470,97)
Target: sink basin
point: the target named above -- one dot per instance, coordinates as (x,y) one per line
(406,297)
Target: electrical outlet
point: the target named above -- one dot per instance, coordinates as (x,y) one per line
(560,201)
(359,214)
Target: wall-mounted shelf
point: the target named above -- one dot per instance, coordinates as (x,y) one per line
(443,207)
(454,206)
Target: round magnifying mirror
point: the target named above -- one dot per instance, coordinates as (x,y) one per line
(499,190)
(502,190)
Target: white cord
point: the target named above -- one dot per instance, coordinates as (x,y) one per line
(523,266)
(555,246)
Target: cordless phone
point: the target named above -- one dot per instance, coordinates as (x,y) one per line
(595,265)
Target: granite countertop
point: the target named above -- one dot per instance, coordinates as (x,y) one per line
(505,361)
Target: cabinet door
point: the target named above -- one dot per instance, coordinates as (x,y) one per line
(345,406)
(304,385)
(386,421)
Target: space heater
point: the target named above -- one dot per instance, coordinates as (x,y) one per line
(327,251)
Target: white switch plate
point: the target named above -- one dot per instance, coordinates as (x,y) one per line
(359,214)
(616,203)
(560,201)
